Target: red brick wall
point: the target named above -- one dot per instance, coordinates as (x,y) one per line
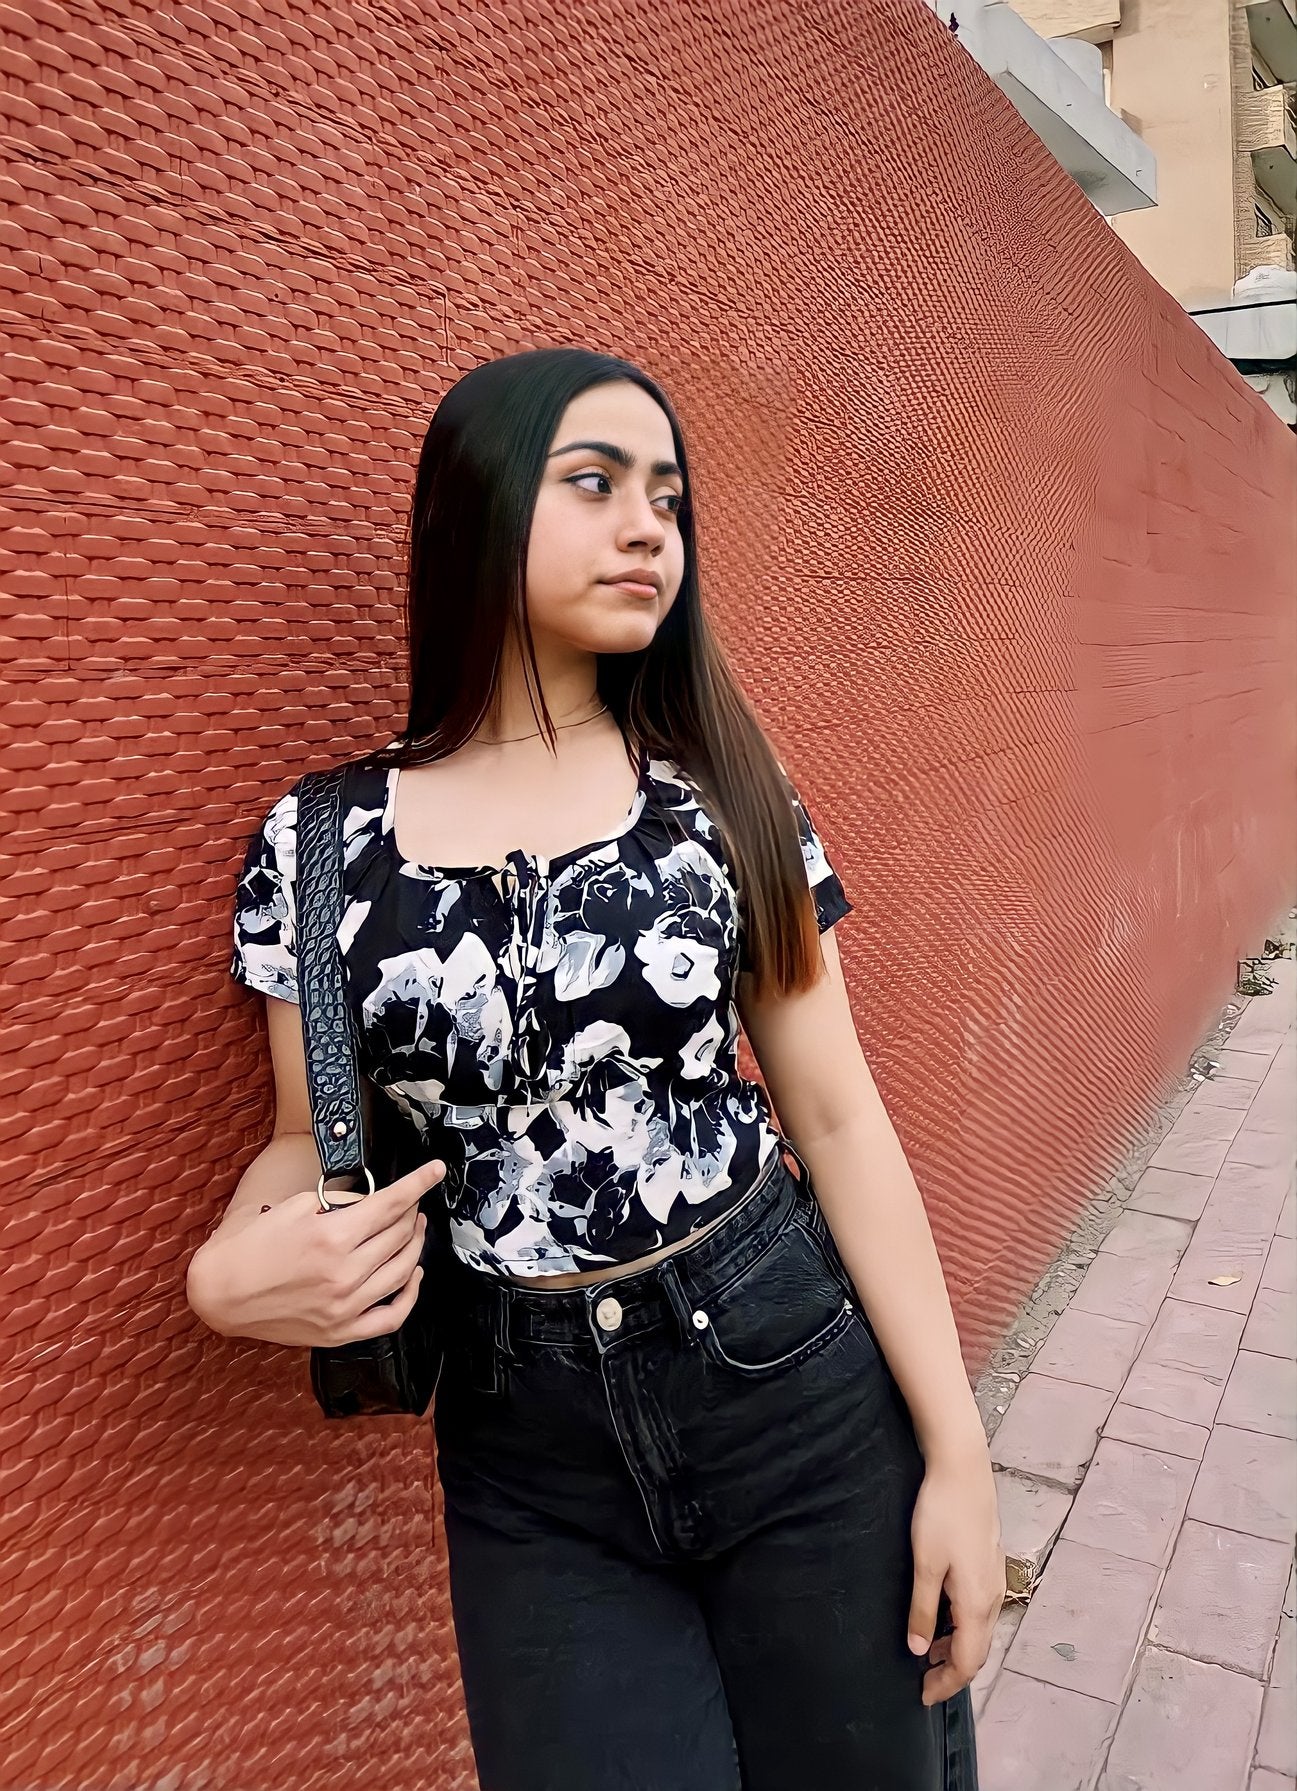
(1004,553)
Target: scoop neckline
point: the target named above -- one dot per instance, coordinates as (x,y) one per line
(518,856)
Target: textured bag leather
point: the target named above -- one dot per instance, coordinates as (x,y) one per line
(396,1373)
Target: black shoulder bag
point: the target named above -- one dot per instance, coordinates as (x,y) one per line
(398,1372)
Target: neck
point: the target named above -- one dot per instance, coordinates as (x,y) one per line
(568,681)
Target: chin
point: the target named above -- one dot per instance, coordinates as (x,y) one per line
(621,634)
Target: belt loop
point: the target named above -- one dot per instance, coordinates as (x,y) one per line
(488,1342)
(679,1305)
(500,1313)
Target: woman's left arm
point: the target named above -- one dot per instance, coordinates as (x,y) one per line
(829,1105)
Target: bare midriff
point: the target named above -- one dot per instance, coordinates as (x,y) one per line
(618,1271)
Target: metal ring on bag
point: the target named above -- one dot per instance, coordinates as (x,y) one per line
(329,1206)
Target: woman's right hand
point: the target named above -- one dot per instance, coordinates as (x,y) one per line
(299,1276)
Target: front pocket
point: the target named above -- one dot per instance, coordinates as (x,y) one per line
(788,1305)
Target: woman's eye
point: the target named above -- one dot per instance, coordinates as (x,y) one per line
(672,499)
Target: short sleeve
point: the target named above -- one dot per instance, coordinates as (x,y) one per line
(826,886)
(265,908)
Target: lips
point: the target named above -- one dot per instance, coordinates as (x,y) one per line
(638,576)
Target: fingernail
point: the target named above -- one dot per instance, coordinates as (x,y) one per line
(917,1644)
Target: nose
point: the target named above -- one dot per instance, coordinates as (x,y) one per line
(641,525)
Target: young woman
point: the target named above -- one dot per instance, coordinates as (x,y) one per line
(719,1507)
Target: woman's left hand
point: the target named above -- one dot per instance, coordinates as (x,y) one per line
(956,1536)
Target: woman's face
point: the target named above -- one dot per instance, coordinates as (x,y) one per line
(605,513)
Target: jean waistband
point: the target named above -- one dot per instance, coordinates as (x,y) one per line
(667,1292)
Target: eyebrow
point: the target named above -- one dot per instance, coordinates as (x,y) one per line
(661,468)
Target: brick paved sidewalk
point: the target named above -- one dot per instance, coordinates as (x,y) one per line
(1156,1438)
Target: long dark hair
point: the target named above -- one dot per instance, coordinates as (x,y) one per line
(479,471)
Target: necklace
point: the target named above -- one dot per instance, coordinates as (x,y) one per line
(509,739)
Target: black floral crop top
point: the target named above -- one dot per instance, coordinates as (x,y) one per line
(561,1031)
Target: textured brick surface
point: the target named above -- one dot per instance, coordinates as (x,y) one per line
(969,495)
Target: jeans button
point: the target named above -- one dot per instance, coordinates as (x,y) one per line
(608,1313)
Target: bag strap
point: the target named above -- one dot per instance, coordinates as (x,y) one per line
(332,1070)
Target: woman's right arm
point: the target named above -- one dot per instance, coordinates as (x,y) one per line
(292,1274)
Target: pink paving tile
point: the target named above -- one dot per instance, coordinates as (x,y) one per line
(1199,1140)
(1246,1066)
(1221,1267)
(1276,1745)
(1086,1347)
(1262,1026)
(1272,1110)
(1171,1193)
(1128,1287)
(1154,1430)
(1281,1267)
(1248,1197)
(1147,1235)
(1006,1627)
(1272,1325)
(1031,1515)
(1031,1736)
(1226,1091)
(1268,1147)
(1222,1597)
(1185,1362)
(1287,1223)
(1232,1238)
(1261,1395)
(1265,1780)
(1186,1727)
(1051,1429)
(1247,1481)
(1131,1502)
(1084,1626)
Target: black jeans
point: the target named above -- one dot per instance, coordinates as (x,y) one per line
(678,1508)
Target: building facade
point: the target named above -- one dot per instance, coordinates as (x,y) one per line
(1211,87)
